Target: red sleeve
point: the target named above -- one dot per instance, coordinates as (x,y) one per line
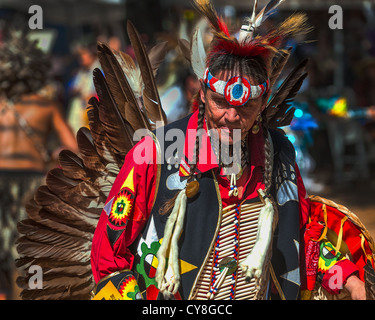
(125,212)
(336,276)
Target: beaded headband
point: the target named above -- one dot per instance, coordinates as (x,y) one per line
(237,90)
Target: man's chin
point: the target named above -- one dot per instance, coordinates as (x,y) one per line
(226,140)
(231,137)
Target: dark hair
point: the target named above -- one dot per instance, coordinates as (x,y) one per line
(255,67)
(23,66)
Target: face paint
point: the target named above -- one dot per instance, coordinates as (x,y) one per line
(237,90)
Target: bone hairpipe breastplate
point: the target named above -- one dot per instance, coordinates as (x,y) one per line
(221,278)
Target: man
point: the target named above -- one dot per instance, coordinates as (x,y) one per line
(198,226)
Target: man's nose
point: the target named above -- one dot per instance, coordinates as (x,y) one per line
(232,114)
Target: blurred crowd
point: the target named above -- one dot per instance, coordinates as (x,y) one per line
(333,130)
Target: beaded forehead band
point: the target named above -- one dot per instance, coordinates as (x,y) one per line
(237,90)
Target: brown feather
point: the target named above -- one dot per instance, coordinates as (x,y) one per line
(185,48)
(93,156)
(207,10)
(56,266)
(157,55)
(280,101)
(120,88)
(41,216)
(74,216)
(280,61)
(66,290)
(284,115)
(94,140)
(111,120)
(72,165)
(151,99)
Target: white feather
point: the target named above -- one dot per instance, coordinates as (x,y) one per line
(133,75)
(254,22)
(198,54)
(266,12)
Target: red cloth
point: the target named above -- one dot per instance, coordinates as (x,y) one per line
(338,274)
(312,251)
(336,277)
(106,259)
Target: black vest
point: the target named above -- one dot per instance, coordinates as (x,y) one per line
(202,221)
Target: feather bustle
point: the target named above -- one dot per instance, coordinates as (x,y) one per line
(63,215)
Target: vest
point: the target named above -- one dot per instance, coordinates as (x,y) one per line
(202,222)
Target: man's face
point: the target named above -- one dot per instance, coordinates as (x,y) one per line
(224,117)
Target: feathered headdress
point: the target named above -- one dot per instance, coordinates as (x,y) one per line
(247,44)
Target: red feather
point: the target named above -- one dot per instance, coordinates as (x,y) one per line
(223,27)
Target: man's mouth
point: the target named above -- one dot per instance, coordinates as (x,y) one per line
(225,129)
(228,130)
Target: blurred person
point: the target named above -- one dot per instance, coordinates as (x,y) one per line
(81,87)
(114,43)
(27,116)
(178,98)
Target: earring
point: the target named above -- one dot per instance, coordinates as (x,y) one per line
(255,128)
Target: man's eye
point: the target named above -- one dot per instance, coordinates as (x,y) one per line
(221,102)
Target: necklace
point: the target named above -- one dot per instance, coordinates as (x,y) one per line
(238,164)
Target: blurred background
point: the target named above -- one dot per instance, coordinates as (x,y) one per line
(334,125)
